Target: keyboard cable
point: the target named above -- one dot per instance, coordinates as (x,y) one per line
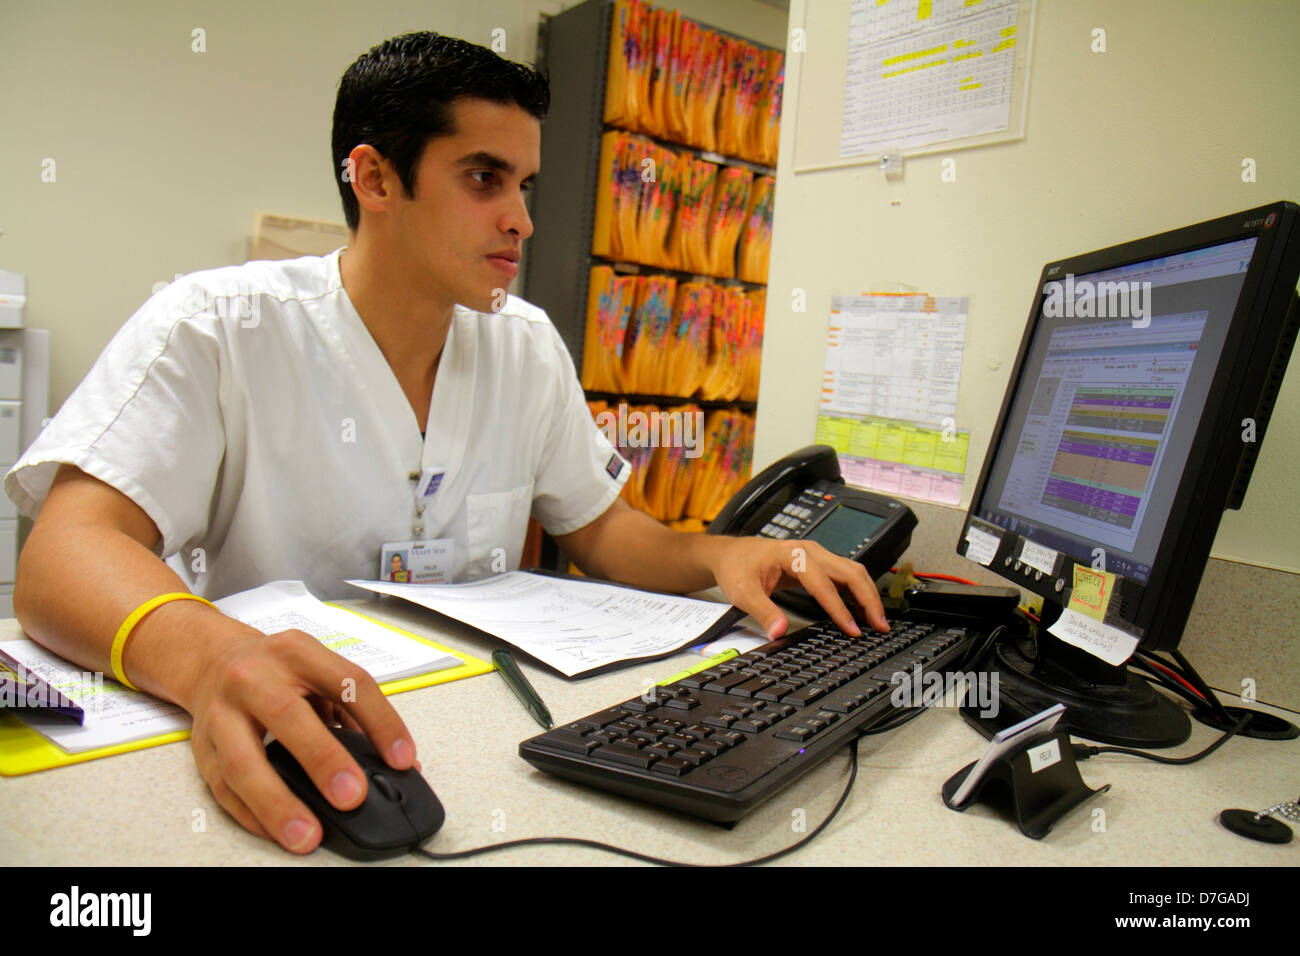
(593,844)
(889,723)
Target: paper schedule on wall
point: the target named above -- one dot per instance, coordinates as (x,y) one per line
(889,393)
(896,356)
(922,72)
(912,76)
(901,458)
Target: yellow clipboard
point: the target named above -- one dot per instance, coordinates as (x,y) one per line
(23,750)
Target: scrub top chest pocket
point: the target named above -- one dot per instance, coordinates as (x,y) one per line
(497,525)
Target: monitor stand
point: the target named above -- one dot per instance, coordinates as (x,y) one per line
(1103,703)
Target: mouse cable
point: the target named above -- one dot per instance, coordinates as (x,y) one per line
(1084,751)
(578,841)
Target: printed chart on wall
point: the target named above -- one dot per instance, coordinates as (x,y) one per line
(889,393)
(916,76)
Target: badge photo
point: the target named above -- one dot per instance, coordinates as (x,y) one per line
(417,562)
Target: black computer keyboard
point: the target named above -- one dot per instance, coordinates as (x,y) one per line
(720,742)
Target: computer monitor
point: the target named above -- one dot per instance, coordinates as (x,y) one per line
(1143,386)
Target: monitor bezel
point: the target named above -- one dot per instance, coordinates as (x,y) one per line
(1158,609)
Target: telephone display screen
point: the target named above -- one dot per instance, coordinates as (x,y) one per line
(844,529)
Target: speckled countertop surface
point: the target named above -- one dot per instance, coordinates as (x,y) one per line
(146,807)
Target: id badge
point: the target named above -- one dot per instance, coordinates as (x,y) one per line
(417,562)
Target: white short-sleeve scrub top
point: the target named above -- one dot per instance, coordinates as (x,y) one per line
(248,411)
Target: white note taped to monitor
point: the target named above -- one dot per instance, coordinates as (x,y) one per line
(1100,640)
(980,545)
(1038,557)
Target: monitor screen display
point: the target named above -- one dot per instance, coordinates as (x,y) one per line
(1115,382)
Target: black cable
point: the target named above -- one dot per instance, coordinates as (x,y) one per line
(1084,751)
(979,649)
(1151,673)
(577,841)
(894,720)
(1188,673)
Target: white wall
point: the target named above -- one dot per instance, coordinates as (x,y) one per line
(162,155)
(1145,137)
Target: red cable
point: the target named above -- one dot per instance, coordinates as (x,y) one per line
(1170,673)
(945,577)
(938,577)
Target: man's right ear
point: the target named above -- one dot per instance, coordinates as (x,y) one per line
(374,181)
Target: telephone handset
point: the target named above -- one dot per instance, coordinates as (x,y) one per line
(804,496)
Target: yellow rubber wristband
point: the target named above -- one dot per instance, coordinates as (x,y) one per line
(134,618)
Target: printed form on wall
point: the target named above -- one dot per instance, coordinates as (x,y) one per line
(889,393)
(922,72)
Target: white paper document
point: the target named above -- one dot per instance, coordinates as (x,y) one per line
(382,653)
(571,625)
(980,545)
(116,714)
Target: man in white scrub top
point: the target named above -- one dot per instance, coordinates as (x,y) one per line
(287,419)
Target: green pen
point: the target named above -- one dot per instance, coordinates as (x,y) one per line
(510,672)
(711,662)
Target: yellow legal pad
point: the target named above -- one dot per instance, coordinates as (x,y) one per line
(23,750)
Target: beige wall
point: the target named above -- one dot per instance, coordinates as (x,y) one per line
(162,155)
(1147,136)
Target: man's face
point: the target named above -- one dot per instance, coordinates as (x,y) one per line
(467,222)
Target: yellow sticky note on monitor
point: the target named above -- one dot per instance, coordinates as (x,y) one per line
(1092,592)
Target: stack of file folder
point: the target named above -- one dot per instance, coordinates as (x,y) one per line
(673,82)
(674,79)
(666,208)
(684,483)
(736,340)
(724,467)
(653,335)
(756,238)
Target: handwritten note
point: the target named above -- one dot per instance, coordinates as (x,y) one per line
(1100,640)
(1091,592)
(980,545)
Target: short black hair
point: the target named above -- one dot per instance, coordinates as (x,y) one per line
(398,96)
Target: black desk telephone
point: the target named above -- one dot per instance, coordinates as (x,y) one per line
(804,496)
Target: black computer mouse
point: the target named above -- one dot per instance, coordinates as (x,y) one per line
(399,813)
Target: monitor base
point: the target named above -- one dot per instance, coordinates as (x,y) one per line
(1103,703)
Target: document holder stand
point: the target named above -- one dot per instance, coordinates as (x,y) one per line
(1038,800)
